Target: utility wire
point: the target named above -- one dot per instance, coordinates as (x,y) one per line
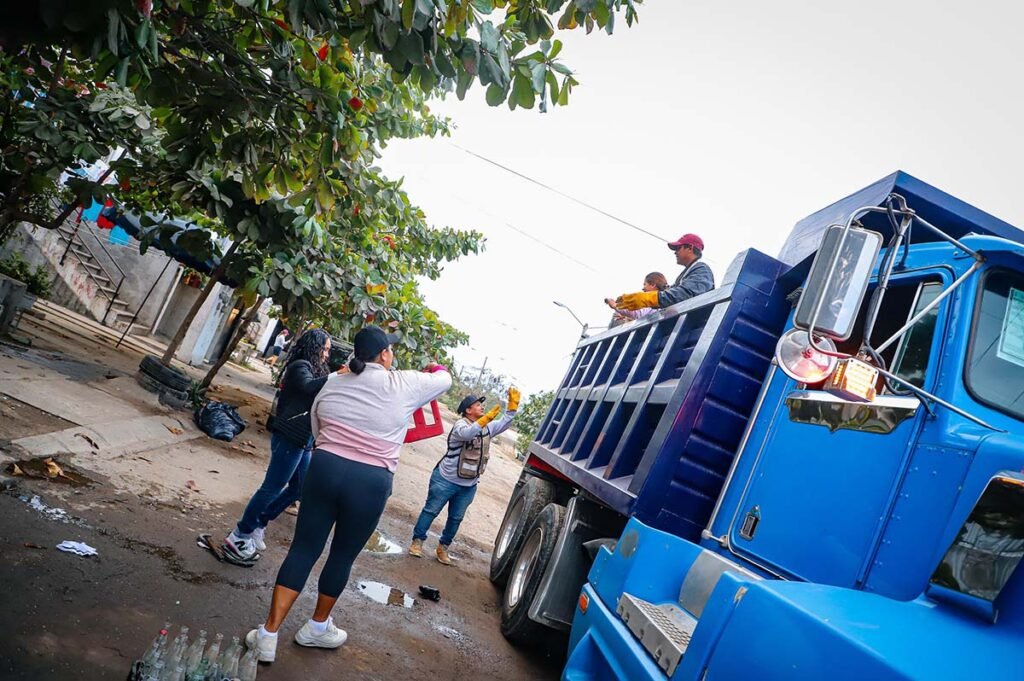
(508,224)
(550,247)
(559,192)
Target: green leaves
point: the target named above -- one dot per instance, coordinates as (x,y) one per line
(522,93)
(489,37)
(264,119)
(495,95)
(538,78)
(408,13)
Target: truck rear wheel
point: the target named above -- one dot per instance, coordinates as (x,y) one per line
(526,503)
(527,571)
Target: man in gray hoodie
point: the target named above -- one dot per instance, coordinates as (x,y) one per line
(694,280)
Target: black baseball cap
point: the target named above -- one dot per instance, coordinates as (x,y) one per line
(370,341)
(468,401)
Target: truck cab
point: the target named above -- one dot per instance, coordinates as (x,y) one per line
(871,520)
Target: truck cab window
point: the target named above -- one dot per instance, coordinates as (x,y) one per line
(909,356)
(994,372)
(915,347)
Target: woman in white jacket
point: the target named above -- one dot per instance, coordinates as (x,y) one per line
(359,421)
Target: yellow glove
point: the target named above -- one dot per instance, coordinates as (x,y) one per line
(489,416)
(513,399)
(637,301)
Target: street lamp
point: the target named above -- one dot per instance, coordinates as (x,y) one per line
(583,332)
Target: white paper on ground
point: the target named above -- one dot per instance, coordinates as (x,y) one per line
(77,547)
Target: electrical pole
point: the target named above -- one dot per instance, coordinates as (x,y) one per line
(480,377)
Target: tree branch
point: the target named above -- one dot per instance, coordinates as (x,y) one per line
(58,70)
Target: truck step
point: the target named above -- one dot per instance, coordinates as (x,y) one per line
(663,630)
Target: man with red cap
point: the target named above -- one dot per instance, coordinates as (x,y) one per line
(694,280)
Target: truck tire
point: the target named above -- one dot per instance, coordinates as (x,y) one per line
(526,503)
(167,395)
(526,574)
(169,376)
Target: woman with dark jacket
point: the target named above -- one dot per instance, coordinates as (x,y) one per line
(291,443)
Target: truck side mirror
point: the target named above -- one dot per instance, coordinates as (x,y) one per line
(837,282)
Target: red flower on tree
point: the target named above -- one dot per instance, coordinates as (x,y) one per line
(355,103)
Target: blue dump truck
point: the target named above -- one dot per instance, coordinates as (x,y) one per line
(815,471)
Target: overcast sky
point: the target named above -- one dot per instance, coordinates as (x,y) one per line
(729,119)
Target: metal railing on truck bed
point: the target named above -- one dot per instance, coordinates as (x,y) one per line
(650,414)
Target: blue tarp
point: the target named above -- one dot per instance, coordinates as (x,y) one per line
(132,225)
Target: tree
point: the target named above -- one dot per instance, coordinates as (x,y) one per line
(529,417)
(247,318)
(51,124)
(268,115)
(292,96)
(489,385)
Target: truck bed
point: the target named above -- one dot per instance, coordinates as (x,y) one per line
(650,414)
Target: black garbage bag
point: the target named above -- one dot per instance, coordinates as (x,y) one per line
(220,421)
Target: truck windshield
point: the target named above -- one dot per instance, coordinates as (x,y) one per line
(994,372)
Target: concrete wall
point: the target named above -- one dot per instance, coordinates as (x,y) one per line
(166,307)
(74,289)
(70,286)
(182,298)
(195,347)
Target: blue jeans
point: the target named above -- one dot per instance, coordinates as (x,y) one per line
(281,487)
(442,492)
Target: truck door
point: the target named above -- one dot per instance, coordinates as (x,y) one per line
(827,471)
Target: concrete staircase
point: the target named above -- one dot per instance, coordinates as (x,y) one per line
(108,278)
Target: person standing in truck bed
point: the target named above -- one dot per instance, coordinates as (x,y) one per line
(655,281)
(694,280)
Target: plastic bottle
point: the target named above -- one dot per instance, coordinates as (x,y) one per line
(194,654)
(177,674)
(155,672)
(229,659)
(199,673)
(248,666)
(157,649)
(176,652)
(213,654)
(151,656)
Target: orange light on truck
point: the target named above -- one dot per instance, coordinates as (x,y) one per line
(853,380)
(584,602)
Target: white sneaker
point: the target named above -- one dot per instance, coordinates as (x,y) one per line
(266,646)
(332,638)
(257,537)
(243,548)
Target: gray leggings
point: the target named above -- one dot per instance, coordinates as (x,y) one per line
(342,494)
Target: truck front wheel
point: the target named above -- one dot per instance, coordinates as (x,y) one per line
(528,500)
(527,571)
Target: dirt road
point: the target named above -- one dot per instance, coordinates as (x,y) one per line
(155,483)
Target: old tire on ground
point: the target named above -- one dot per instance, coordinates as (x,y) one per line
(526,503)
(166,394)
(527,572)
(169,376)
